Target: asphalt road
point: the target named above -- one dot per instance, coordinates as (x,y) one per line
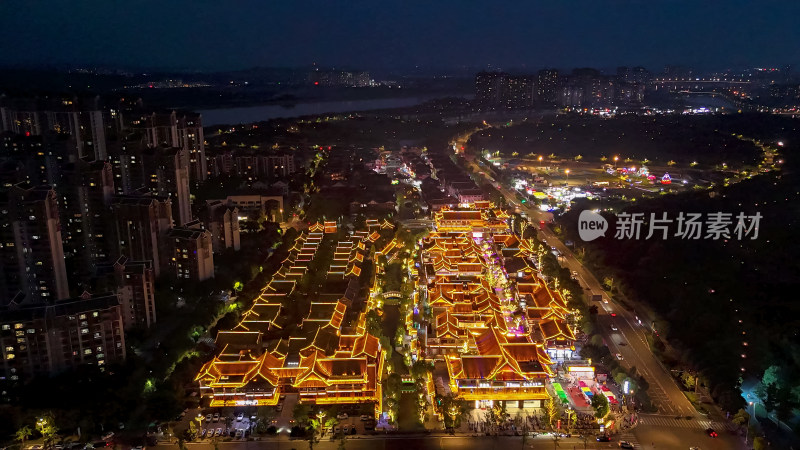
(400,442)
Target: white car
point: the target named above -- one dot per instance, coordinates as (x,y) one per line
(614,327)
(240,417)
(619,356)
(342,416)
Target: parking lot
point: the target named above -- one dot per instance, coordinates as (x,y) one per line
(238,426)
(240,422)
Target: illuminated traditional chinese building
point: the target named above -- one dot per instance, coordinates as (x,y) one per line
(497,336)
(474,221)
(327,358)
(501,367)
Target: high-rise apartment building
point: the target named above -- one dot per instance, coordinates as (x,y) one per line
(87,226)
(134,283)
(184,131)
(48,337)
(489,88)
(192,256)
(31,253)
(520,91)
(82,118)
(547,84)
(141,225)
(223,223)
(127,157)
(167,175)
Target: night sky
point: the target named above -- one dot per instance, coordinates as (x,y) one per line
(381,34)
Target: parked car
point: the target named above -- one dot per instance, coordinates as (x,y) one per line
(625,444)
(209,417)
(342,416)
(240,417)
(218,432)
(364,417)
(216,417)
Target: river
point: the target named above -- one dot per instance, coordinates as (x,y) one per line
(249,114)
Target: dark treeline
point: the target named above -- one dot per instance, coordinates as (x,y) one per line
(713,296)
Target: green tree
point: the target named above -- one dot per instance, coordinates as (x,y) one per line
(23,434)
(420,368)
(453,410)
(191,432)
(550,415)
(741,418)
(759,443)
(374,323)
(688,379)
(49,431)
(313,432)
(600,405)
(393,384)
(498,415)
(608,282)
(300,412)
